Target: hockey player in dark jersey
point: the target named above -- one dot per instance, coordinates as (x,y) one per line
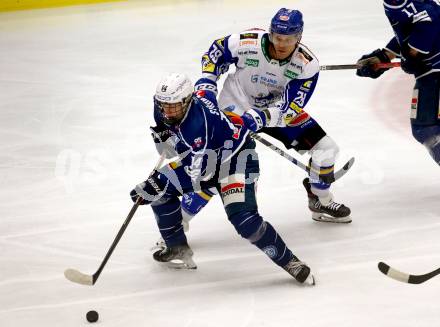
(416,25)
(213,152)
(274,79)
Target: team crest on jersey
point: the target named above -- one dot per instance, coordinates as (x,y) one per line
(198,142)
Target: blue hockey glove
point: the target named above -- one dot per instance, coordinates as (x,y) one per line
(368,61)
(254,120)
(149,191)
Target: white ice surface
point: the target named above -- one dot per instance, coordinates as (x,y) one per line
(76,86)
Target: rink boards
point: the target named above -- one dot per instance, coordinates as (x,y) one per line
(11,5)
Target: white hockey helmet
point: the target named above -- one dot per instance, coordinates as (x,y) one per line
(174,88)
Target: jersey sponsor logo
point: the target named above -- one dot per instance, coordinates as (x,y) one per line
(209,105)
(422,16)
(290,74)
(254,78)
(252,62)
(414,103)
(272,82)
(307,84)
(248,36)
(200,93)
(248,42)
(299,120)
(233,193)
(305,54)
(295,107)
(247,52)
(296,67)
(205,87)
(207,65)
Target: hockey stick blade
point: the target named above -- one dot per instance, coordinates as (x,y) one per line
(341,172)
(78,277)
(406,278)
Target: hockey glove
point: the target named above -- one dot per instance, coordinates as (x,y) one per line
(411,65)
(254,120)
(149,191)
(367,61)
(160,133)
(165,141)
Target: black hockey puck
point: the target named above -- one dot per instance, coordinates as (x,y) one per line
(92,316)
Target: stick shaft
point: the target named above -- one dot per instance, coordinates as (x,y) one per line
(284,154)
(122,229)
(356,66)
(116,240)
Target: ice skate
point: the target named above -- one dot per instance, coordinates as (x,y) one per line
(333,212)
(177,257)
(160,243)
(300,271)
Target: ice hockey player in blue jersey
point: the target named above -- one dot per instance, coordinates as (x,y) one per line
(274,79)
(416,25)
(213,152)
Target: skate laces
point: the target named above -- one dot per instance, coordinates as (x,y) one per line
(334,206)
(294,267)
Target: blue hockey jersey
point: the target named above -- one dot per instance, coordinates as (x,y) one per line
(416,25)
(205,137)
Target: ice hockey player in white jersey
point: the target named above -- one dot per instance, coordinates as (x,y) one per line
(274,79)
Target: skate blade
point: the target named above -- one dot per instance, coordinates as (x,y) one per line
(179,264)
(329,219)
(310,281)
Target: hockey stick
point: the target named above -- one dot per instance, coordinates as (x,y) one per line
(406,278)
(356,66)
(78,277)
(341,172)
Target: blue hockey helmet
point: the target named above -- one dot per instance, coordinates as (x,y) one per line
(394,4)
(287,22)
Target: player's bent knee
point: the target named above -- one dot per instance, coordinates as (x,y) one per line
(249,225)
(325,151)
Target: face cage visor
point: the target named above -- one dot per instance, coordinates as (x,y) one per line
(172,113)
